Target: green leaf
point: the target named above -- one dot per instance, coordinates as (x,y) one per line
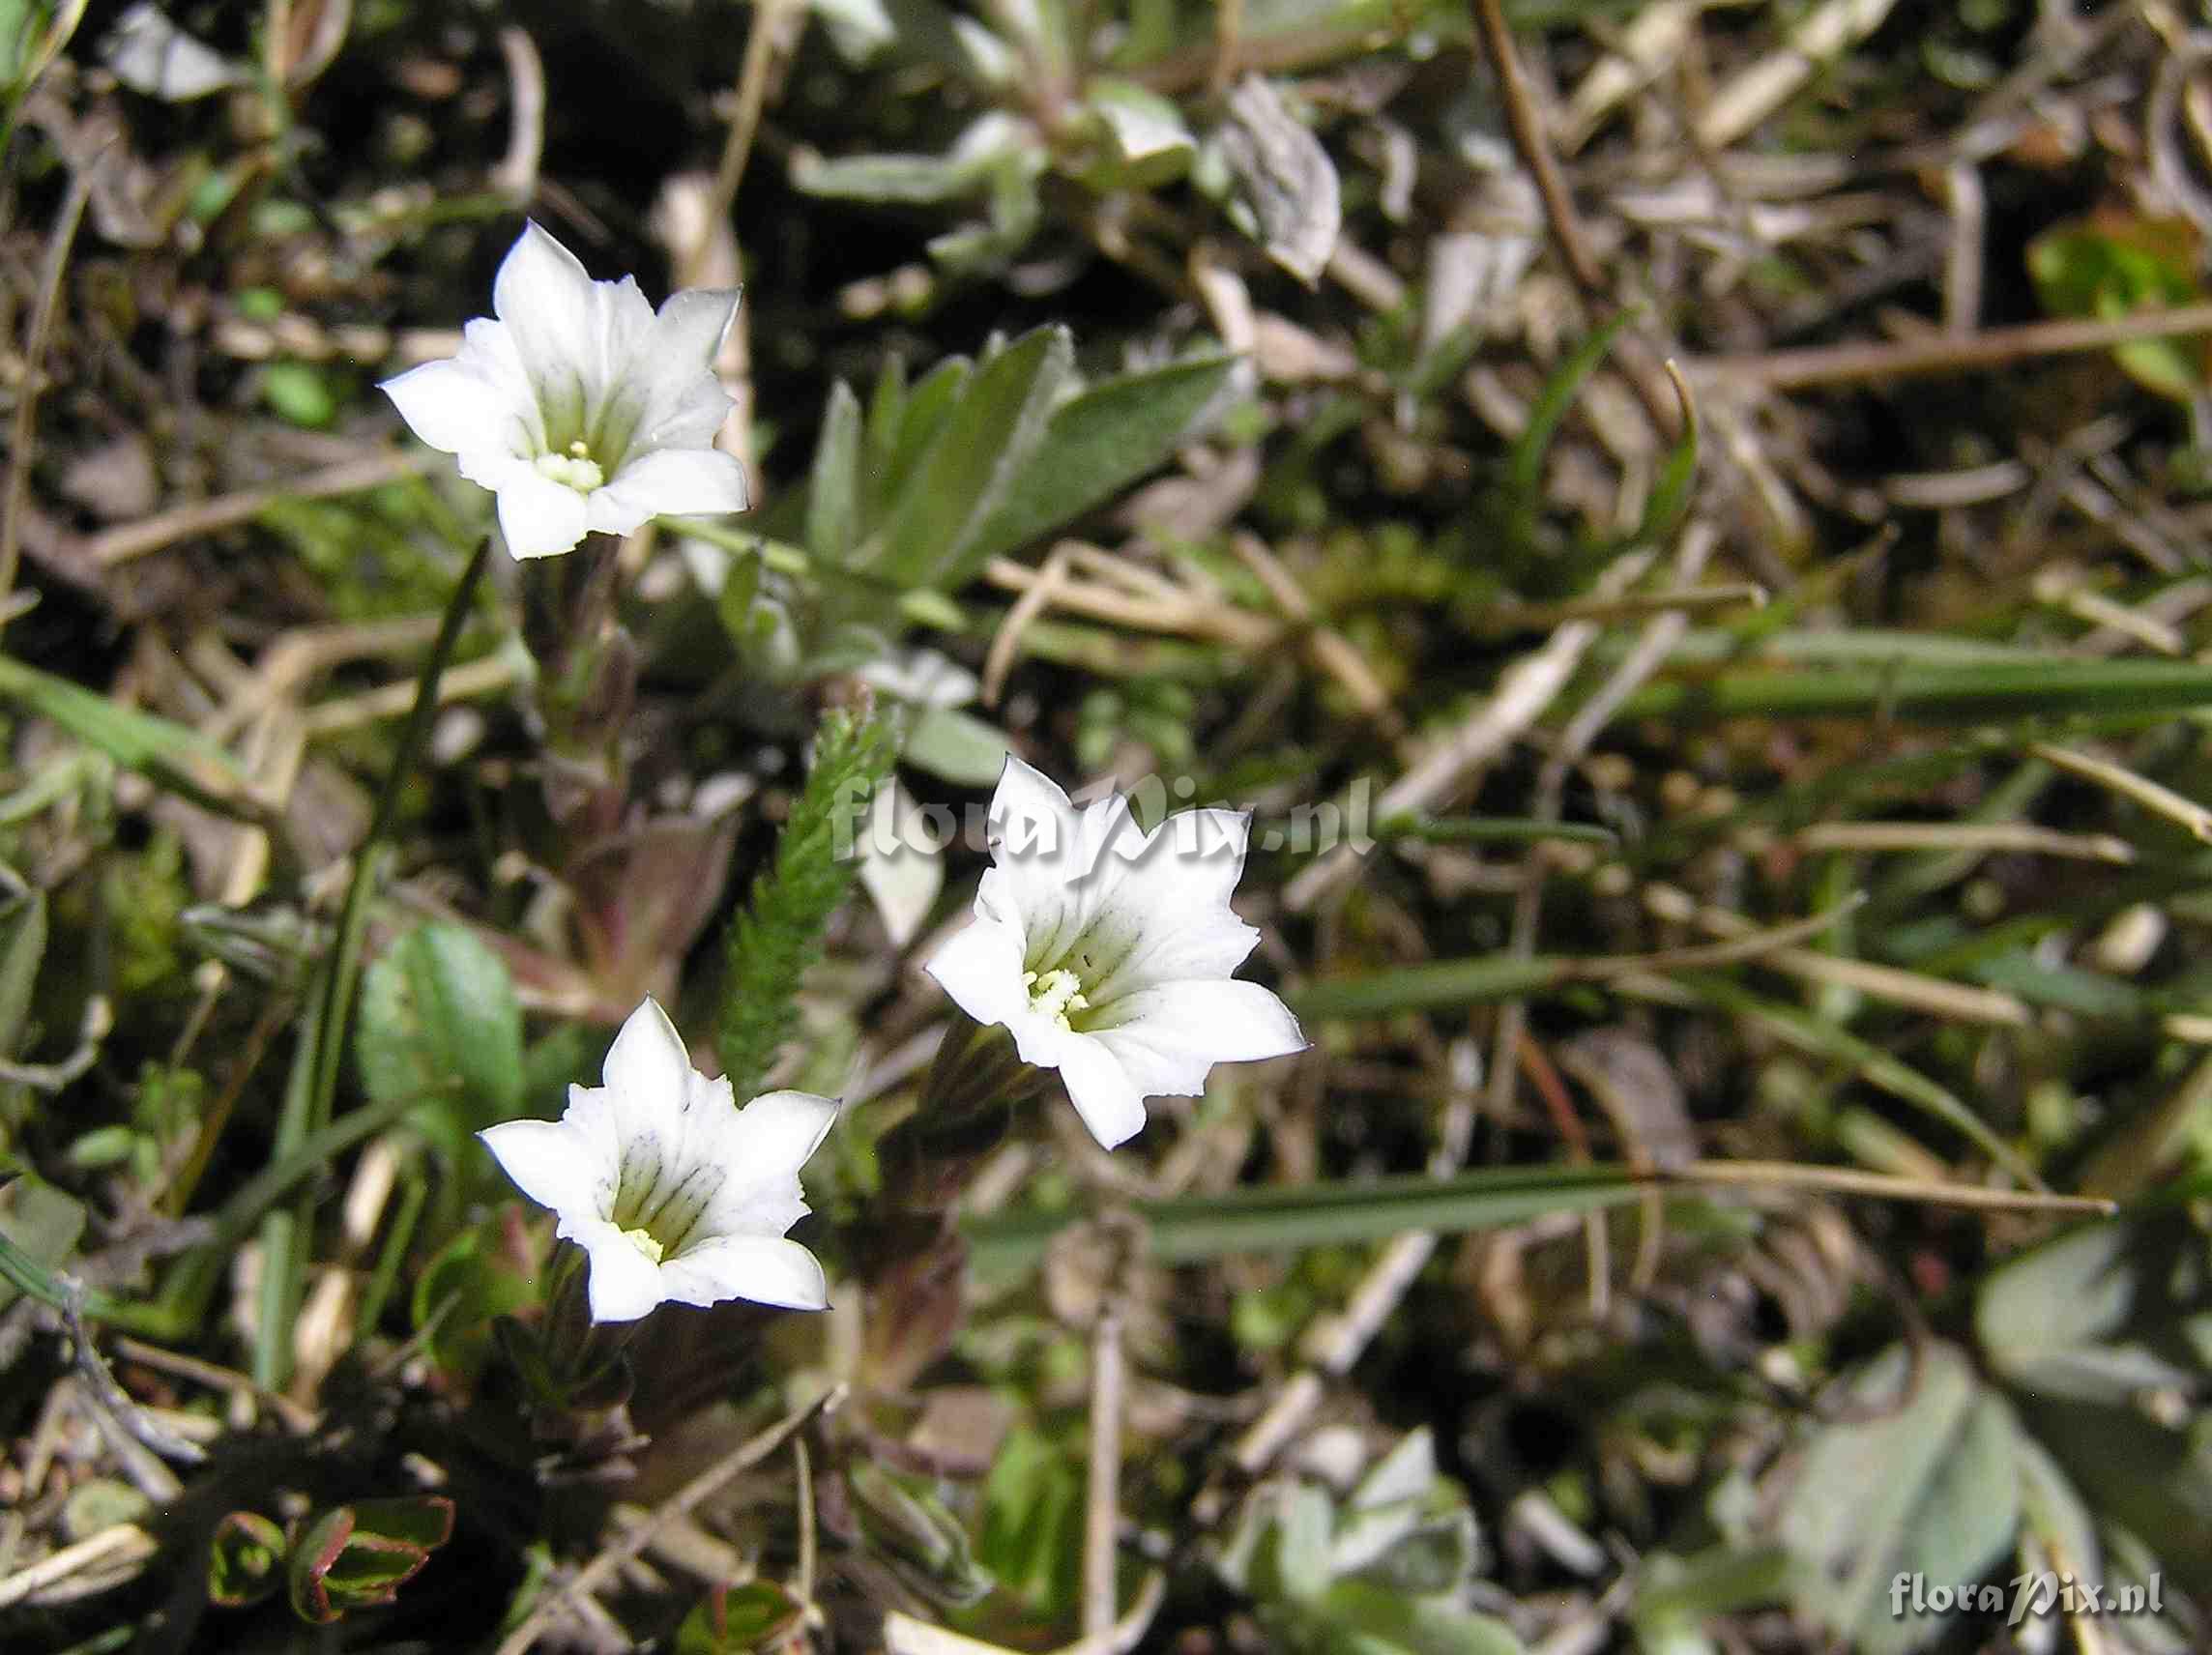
(1436,983)
(735,1620)
(957,746)
(1923,1479)
(1354,1617)
(174,755)
(2097,1315)
(43,1224)
(778,936)
(1933,693)
(440,1022)
(1148,145)
(358,1556)
(979,450)
(1096,445)
(1524,467)
(1031,1538)
(908,435)
(474,1279)
(1259,1219)
(2117,264)
(907,1527)
(833,490)
(22,947)
(244,1559)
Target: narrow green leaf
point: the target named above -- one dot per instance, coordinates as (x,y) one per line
(1813,1033)
(1276,1219)
(1934,694)
(1437,983)
(1096,445)
(39,1229)
(174,755)
(1524,466)
(898,451)
(981,448)
(833,490)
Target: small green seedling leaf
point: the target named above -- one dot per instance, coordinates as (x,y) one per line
(245,1559)
(358,1556)
(738,1620)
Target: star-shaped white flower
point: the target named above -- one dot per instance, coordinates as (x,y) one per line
(581,409)
(677,1195)
(1107,951)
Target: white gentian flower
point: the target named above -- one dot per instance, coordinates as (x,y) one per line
(677,1195)
(1107,951)
(581,409)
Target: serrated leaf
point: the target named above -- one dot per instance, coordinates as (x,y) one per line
(982,446)
(1096,443)
(833,489)
(440,1021)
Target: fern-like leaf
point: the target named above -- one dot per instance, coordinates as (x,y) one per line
(779,934)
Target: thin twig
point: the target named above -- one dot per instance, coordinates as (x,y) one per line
(2160,801)
(1946,353)
(130,541)
(1103,1506)
(1849,1180)
(1535,152)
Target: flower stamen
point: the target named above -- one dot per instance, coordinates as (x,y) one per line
(1055,995)
(644,1243)
(577,468)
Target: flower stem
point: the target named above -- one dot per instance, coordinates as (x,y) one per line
(309,1094)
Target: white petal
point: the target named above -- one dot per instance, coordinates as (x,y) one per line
(1172,899)
(543,295)
(1168,1037)
(449,405)
(575,336)
(551,1162)
(538,517)
(1052,866)
(649,1066)
(681,402)
(765,1269)
(669,481)
(782,1129)
(981,968)
(1109,1103)
(624,1284)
